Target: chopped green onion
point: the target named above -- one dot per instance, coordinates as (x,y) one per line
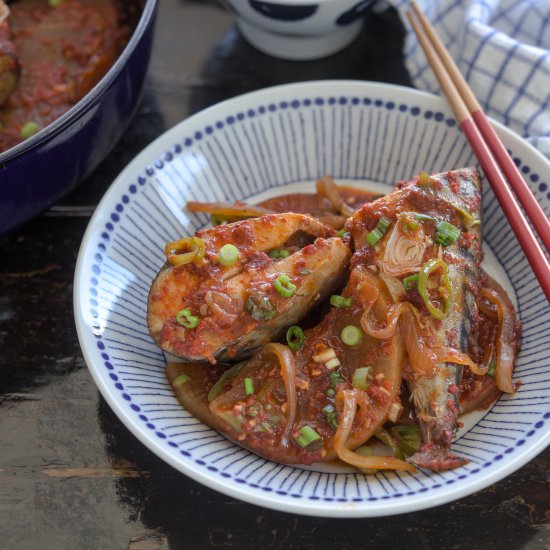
(224,378)
(29,129)
(187,319)
(339,301)
(379,231)
(278,253)
(231,419)
(342,233)
(331,416)
(468,219)
(229,254)
(410,282)
(365,450)
(423,217)
(446,233)
(295,337)
(407,438)
(492,368)
(180,380)
(351,335)
(423,277)
(362,378)
(284,287)
(331,392)
(56,3)
(248,386)
(260,307)
(335,379)
(308,439)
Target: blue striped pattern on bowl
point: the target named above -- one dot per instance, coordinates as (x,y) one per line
(261,144)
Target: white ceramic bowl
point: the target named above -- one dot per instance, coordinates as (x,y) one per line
(266,143)
(300,29)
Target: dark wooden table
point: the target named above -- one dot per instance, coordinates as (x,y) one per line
(71,475)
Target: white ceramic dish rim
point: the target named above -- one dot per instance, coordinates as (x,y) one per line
(364,509)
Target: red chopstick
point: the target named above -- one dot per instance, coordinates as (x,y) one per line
(493,161)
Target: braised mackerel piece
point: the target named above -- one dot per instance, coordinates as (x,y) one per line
(230,289)
(423,240)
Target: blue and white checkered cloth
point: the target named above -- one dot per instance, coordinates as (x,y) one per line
(502,48)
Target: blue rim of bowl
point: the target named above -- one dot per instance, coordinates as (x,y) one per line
(84,104)
(113,217)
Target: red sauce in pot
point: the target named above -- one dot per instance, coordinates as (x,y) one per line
(62,52)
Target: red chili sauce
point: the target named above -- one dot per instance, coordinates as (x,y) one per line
(61,53)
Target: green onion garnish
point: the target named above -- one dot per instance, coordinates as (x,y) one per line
(410,282)
(229,254)
(29,129)
(308,439)
(379,231)
(362,378)
(295,337)
(339,301)
(423,277)
(187,319)
(248,386)
(351,335)
(180,380)
(342,233)
(335,379)
(331,392)
(331,416)
(224,378)
(284,287)
(278,253)
(446,233)
(260,307)
(492,368)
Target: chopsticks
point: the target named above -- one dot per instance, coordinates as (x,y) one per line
(489,150)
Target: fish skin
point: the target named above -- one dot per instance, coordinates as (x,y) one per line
(325,260)
(435,398)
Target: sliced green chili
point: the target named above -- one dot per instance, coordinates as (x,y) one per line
(446,233)
(410,282)
(351,335)
(308,439)
(362,378)
(229,254)
(423,278)
(180,380)
(295,337)
(248,386)
(331,416)
(339,301)
(284,287)
(379,231)
(187,319)
(260,307)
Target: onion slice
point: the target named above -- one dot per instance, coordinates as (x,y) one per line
(404,251)
(505,337)
(348,401)
(288,374)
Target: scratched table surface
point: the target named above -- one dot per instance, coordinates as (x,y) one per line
(71,475)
